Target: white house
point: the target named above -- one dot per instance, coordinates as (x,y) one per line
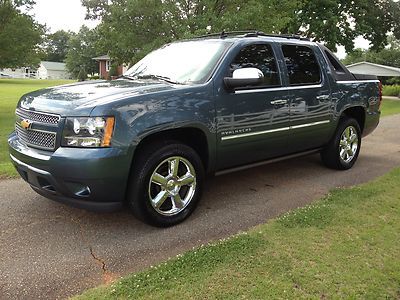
(373,69)
(24,72)
(52,70)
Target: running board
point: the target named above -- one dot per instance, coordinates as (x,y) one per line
(266,162)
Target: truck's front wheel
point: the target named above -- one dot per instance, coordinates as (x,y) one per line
(342,151)
(166,184)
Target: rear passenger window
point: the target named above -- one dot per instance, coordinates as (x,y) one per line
(258,56)
(301,64)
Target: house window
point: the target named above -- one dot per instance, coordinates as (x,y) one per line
(107,65)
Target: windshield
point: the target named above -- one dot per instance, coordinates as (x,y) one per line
(181,62)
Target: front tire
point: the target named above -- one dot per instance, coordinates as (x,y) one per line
(342,151)
(166,184)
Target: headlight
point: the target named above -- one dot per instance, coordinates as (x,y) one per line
(88,132)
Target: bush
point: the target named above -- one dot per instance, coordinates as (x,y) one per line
(391,90)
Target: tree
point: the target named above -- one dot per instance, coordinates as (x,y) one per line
(389,56)
(339,22)
(20,35)
(81,50)
(131,28)
(56,45)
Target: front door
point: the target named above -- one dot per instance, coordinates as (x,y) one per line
(252,122)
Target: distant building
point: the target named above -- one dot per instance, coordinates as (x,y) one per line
(52,70)
(105,65)
(24,72)
(373,69)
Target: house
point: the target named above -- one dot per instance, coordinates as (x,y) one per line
(23,72)
(373,69)
(105,65)
(52,70)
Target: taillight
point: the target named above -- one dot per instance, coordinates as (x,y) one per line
(380,95)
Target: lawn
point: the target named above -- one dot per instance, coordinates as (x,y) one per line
(346,245)
(10,92)
(390,107)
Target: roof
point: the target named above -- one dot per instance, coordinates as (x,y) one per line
(52,65)
(102,57)
(373,69)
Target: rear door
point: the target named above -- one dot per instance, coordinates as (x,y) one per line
(252,122)
(311,111)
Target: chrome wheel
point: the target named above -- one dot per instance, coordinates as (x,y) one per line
(172,186)
(348,144)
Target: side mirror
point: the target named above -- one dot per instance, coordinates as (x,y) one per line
(244,77)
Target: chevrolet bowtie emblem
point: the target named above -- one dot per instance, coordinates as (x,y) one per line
(26,124)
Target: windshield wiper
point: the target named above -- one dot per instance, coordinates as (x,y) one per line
(127,77)
(164,78)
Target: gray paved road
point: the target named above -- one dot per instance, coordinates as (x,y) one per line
(48,250)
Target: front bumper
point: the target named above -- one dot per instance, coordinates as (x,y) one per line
(92,179)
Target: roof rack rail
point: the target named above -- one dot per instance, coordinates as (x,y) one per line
(253,33)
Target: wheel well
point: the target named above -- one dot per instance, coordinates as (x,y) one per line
(357,113)
(192,137)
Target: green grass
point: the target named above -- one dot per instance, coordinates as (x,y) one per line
(390,107)
(10,92)
(346,245)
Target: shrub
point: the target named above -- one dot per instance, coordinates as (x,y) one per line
(391,90)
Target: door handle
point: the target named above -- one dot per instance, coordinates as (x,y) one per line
(279,102)
(323,97)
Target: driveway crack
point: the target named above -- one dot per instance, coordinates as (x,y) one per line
(99,260)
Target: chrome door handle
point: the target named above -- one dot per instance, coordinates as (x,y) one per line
(279,102)
(323,97)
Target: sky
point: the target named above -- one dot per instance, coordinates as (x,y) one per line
(70,15)
(61,14)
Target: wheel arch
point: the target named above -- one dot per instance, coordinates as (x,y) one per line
(356,112)
(192,136)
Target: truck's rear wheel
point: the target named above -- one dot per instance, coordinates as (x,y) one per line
(342,151)
(166,184)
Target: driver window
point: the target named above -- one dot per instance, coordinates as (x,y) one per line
(258,56)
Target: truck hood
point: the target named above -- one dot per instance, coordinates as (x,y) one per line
(79,99)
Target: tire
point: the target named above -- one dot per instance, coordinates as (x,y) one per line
(160,194)
(342,151)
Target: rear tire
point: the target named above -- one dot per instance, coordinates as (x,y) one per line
(342,151)
(166,183)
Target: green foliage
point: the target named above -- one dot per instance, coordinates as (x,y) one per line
(391,90)
(389,56)
(20,35)
(56,45)
(81,50)
(345,246)
(338,22)
(82,75)
(132,28)
(113,70)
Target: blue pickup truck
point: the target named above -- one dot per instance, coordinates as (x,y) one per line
(185,112)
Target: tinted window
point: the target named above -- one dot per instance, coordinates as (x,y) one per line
(334,63)
(301,64)
(258,56)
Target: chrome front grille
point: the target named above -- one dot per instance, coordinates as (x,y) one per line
(37,138)
(41,132)
(38,117)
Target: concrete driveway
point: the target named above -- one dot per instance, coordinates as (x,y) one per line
(48,250)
